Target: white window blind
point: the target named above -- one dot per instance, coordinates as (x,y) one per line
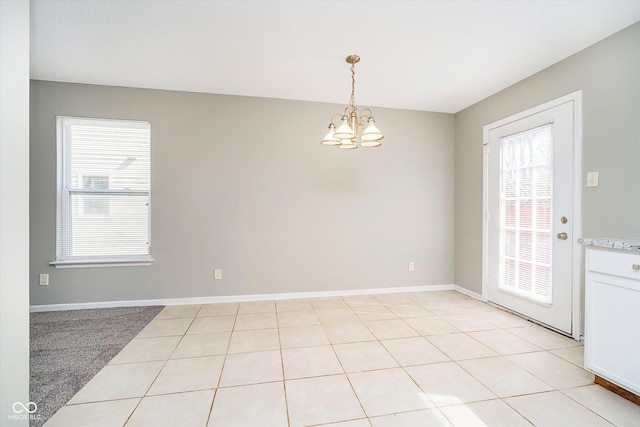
(103,191)
(525,213)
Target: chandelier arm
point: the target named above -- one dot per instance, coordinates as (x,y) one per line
(365,116)
(334,116)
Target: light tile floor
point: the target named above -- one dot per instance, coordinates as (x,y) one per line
(411,359)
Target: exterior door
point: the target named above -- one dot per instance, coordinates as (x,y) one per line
(529,220)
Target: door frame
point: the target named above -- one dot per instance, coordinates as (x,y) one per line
(576,274)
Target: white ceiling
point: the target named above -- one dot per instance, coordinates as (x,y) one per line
(422,55)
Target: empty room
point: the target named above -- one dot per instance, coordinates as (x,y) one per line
(319,213)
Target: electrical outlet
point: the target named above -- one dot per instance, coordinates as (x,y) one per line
(217,274)
(412,266)
(44,280)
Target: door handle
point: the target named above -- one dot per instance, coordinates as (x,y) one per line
(562,236)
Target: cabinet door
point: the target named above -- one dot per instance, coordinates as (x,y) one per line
(612,316)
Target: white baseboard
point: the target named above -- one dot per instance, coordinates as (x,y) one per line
(255,297)
(467,292)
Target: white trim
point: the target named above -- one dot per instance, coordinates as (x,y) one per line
(577,331)
(467,292)
(576,97)
(242,298)
(96,262)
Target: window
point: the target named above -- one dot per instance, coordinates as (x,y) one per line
(103,192)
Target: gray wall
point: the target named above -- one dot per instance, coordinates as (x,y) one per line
(243,184)
(14,209)
(609,75)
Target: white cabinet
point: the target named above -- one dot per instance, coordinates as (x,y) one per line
(612,316)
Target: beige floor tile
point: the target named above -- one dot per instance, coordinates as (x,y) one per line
(389,329)
(358,300)
(179,312)
(503,377)
(554,409)
(436,296)
(146,350)
(252,368)
(310,362)
(460,346)
(321,400)
(409,310)
(473,305)
(331,302)
(414,351)
(428,326)
(297,318)
(425,417)
(615,409)
(98,414)
(196,373)
(250,405)
(362,422)
(302,304)
(246,322)
(179,359)
(373,312)
(553,370)
(257,307)
(393,299)
(502,319)
(574,355)
(442,307)
(399,393)
(336,315)
(219,309)
(303,336)
(543,338)
(170,410)
(340,333)
(256,340)
(202,345)
(469,322)
(165,328)
(364,356)
(212,324)
(118,382)
(494,413)
(448,384)
(503,342)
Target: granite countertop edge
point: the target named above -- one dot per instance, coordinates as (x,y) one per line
(625,244)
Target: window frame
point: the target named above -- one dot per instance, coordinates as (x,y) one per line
(63,204)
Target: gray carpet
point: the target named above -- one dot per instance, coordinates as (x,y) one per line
(69,347)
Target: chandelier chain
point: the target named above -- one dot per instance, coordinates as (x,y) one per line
(353,87)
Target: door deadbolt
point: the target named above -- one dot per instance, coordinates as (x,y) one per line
(562,236)
(564,220)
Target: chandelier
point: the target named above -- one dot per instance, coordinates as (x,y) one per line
(346,135)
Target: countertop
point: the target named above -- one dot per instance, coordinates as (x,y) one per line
(625,243)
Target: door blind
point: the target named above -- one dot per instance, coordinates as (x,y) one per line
(525,214)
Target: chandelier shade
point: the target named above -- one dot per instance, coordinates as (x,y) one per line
(346,135)
(329,138)
(345,131)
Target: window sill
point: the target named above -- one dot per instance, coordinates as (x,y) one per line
(106,262)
